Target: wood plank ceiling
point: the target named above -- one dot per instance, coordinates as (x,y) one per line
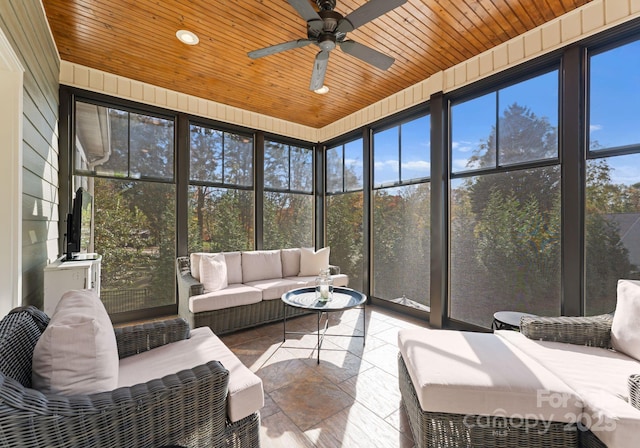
(136,39)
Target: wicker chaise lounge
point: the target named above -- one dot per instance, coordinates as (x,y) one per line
(188,408)
(575,349)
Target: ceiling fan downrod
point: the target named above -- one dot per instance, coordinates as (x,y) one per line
(326,5)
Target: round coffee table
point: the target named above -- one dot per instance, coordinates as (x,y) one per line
(343,299)
(508,320)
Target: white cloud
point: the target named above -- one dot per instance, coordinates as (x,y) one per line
(462,146)
(393,164)
(353,162)
(595,127)
(417,165)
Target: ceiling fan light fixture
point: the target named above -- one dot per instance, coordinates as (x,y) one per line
(187,37)
(322,90)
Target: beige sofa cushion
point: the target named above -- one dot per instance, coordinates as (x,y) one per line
(77,353)
(274,288)
(310,280)
(625,329)
(290,262)
(482,374)
(245,394)
(233,295)
(599,377)
(233,260)
(261,265)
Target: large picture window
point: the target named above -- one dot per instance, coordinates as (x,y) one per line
(505,221)
(288,196)
(125,159)
(612,208)
(402,212)
(345,196)
(221,198)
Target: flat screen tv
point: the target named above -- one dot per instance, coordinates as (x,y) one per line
(79,227)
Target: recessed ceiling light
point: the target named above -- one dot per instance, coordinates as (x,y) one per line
(187,37)
(322,90)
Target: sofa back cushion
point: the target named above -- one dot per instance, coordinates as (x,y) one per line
(261,265)
(20,331)
(290,262)
(312,262)
(77,353)
(234,267)
(625,328)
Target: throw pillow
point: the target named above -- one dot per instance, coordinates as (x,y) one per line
(625,329)
(213,272)
(312,262)
(77,352)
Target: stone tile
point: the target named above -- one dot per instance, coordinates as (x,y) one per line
(280,370)
(357,427)
(256,352)
(270,407)
(278,431)
(375,389)
(337,364)
(384,357)
(310,399)
(239,337)
(400,421)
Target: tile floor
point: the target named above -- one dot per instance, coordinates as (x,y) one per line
(351,399)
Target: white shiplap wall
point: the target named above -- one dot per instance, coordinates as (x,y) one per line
(585,21)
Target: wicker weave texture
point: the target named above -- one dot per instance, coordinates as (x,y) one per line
(187,408)
(226,320)
(634,390)
(593,331)
(445,430)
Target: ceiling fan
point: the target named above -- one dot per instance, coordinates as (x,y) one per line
(327,29)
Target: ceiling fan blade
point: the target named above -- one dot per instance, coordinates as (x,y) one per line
(366,54)
(366,13)
(306,11)
(273,49)
(319,70)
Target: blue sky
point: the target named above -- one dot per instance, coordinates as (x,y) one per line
(614,119)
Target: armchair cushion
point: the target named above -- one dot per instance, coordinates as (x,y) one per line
(245,394)
(625,328)
(77,352)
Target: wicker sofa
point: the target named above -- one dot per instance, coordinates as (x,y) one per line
(598,405)
(255,282)
(187,408)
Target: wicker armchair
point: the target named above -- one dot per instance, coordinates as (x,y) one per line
(187,409)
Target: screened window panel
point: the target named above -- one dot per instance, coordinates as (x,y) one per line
(220,219)
(287,220)
(415,149)
(205,146)
(345,235)
(472,122)
(301,174)
(505,244)
(151,147)
(276,165)
(612,228)
(401,244)
(613,97)
(238,160)
(386,164)
(528,122)
(334,161)
(134,232)
(353,165)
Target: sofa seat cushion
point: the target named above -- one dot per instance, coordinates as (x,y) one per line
(599,376)
(245,394)
(232,295)
(273,289)
(481,374)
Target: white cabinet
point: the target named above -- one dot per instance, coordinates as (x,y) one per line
(62,276)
